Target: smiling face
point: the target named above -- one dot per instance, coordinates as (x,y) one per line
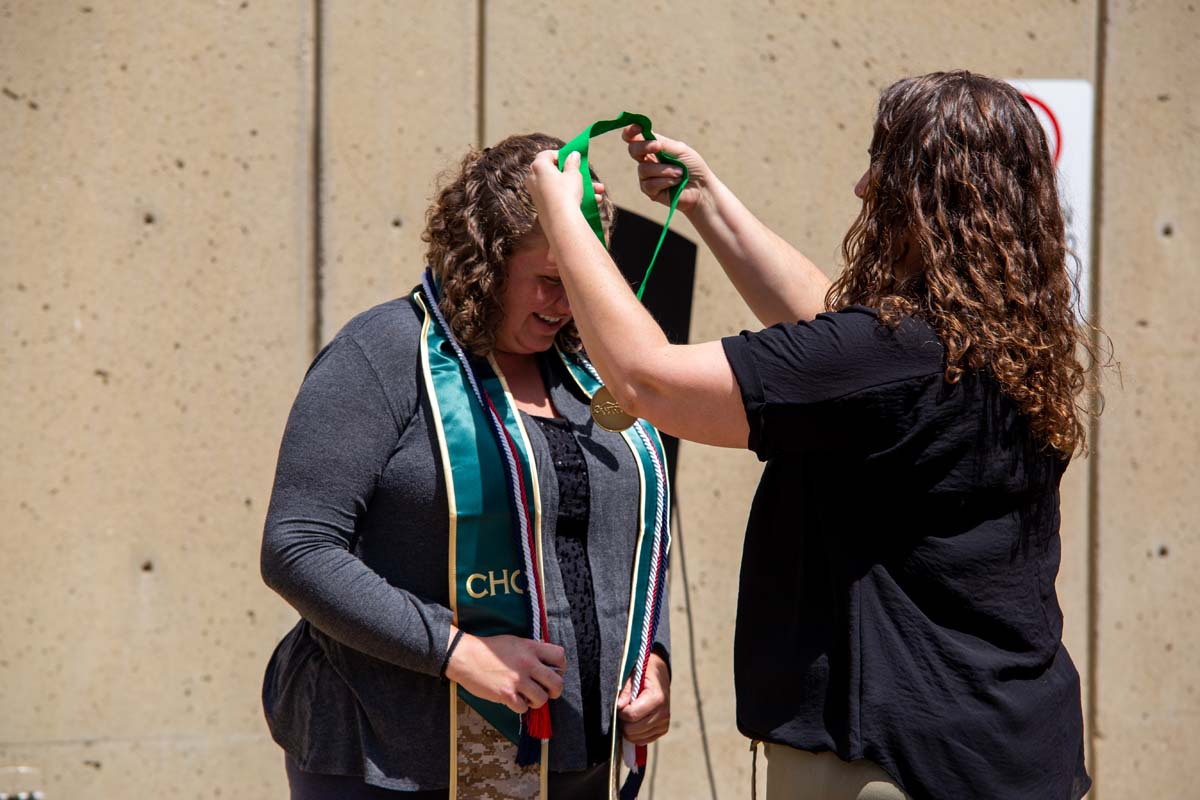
(533,299)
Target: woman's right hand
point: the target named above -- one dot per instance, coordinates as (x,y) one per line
(657,178)
(515,672)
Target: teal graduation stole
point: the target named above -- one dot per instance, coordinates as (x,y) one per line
(495,525)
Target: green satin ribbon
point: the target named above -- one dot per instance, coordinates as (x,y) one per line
(590,210)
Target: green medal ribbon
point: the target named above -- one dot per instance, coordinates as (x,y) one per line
(591,211)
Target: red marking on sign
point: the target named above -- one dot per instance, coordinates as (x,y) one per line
(1035,101)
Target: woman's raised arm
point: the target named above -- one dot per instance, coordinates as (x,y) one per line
(778,282)
(685,390)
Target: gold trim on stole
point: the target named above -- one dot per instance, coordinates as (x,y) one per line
(452,510)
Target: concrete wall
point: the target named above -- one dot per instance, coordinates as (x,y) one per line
(157,312)
(1146,703)
(197,197)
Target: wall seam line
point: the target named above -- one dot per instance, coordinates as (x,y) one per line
(317,183)
(1093,492)
(480,71)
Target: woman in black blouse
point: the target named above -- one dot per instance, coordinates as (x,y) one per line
(898,629)
(361,528)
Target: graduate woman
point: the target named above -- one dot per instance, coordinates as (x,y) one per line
(898,630)
(459,537)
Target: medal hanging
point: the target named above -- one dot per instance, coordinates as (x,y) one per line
(607,413)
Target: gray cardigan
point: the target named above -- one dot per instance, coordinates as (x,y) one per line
(355,539)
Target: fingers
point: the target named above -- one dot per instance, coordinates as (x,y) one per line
(572,164)
(632,133)
(639,148)
(598,188)
(647,718)
(637,709)
(546,158)
(650,170)
(647,732)
(516,703)
(535,696)
(657,179)
(657,188)
(552,655)
(626,695)
(644,151)
(549,679)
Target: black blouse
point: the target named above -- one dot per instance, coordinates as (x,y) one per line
(897,596)
(570,544)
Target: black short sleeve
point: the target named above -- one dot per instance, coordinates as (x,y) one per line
(808,385)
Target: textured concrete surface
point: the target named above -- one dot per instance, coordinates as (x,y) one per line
(1148,712)
(159,304)
(398,89)
(231,766)
(155,322)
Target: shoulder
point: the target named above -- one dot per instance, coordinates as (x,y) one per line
(909,349)
(836,353)
(376,351)
(383,324)
(387,334)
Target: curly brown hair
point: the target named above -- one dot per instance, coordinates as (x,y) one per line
(477,220)
(961,176)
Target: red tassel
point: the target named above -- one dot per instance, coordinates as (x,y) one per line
(640,756)
(539,722)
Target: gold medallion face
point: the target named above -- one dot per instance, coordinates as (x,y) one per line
(608,414)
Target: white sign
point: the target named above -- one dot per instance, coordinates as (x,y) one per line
(1065,109)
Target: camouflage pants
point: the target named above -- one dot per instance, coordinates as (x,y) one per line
(487,768)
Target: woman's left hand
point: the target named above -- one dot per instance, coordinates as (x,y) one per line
(649,716)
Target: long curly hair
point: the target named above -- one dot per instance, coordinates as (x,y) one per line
(477,220)
(962,185)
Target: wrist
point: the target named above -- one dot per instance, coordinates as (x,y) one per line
(452,662)
(664,664)
(561,222)
(560,205)
(706,205)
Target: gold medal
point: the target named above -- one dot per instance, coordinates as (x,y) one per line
(608,413)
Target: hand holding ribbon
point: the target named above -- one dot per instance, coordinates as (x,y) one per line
(663,165)
(648,717)
(514,671)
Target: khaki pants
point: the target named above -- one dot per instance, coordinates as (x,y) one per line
(800,775)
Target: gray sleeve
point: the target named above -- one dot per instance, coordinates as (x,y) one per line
(340,435)
(662,637)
